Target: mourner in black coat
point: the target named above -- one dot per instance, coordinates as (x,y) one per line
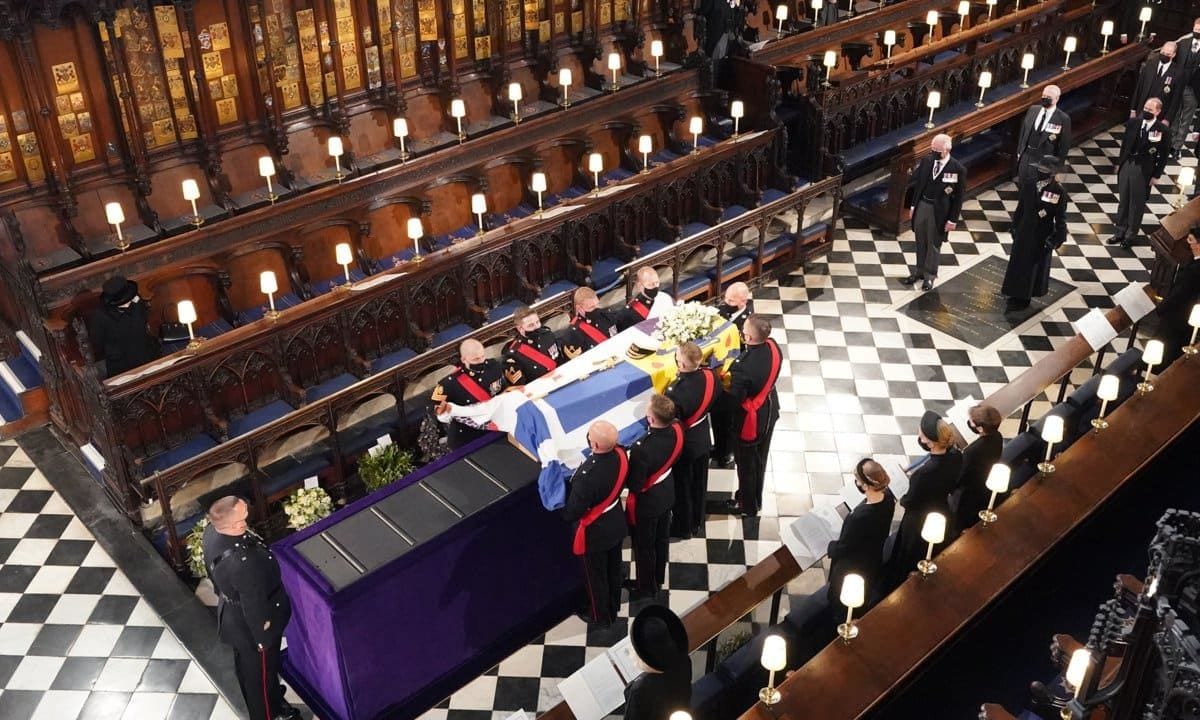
(939,188)
(652,493)
(1039,228)
(477,379)
(752,387)
(694,391)
(590,325)
(737,305)
(1144,150)
(533,352)
(929,488)
(859,547)
(252,607)
(1188,56)
(638,307)
(665,685)
(594,509)
(1046,130)
(1176,307)
(118,332)
(972,494)
(1161,77)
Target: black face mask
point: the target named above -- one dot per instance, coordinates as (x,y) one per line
(1047,102)
(924,445)
(726,309)
(935,155)
(650,292)
(1148,116)
(974,428)
(1043,175)
(1164,58)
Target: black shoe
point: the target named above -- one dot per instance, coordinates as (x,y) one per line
(911,279)
(721,463)
(1115,240)
(733,507)
(927,285)
(290,713)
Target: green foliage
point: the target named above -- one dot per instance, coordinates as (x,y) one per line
(385,466)
(195,550)
(731,642)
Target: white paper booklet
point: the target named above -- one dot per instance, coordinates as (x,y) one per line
(806,538)
(626,660)
(1095,329)
(595,690)
(1134,301)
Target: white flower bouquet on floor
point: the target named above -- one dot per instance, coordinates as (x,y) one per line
(306,506)
(687,322)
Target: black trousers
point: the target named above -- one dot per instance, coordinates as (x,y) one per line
(602,582)
(751,461)
(257,682)
(651,542)
(691,490)
(721,418)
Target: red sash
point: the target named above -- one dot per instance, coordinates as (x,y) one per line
(751,405)
(580,545)
(473,388)
(640,308)
(631,500)
(709,386)
(536,355)
(593,332)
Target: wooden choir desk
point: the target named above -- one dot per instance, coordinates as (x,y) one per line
(1169,241)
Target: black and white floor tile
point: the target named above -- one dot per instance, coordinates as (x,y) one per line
(78,640)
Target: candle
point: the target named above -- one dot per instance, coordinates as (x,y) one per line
(479,207)
(645,145)
(736,111)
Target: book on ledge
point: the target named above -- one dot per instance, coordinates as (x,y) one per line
(625,659)
(595,690)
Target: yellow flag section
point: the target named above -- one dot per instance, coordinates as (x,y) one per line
(720,347)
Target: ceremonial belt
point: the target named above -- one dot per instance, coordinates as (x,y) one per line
(593,332)
(640,308)
(655,477)
(536,355)
(751,405)
(579,547)
(702,410)
(476,390)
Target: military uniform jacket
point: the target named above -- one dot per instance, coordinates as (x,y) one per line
(1167,87)
(1054,137)
(738,315)
(694,394)
(528,358)
(750,375)
(1147,148)
(467,387)
(650,460)
(635,311)
(591,486)
(586,333)
(1039,227)
(950,187)
(245,574)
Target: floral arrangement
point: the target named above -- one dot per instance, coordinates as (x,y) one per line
(195,550)
(687,322)
(383,466)
(306,506)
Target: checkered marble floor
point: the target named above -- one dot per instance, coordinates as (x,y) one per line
(77,639)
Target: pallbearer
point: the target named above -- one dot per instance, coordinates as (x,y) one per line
(639,306)
(652,494)
(737,305)
(533,352)
(590,325)
(594,508)
(476,379)
(752,385)
(694,393)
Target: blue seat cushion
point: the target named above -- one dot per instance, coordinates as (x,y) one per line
(732,211)
(556,287)
(520,211)
(870,196)
(771,195)
(283,302)
(323,286)
(392,359)
(732,266)
(692,228)
(257,418)
(604,274)
(292,472)
(1022,454)
(813,230)
(450,334)
(693,284)
(335,384)
(186,450)
(779,245)
(616,175)
(978,148)
(502,312)
(649,247)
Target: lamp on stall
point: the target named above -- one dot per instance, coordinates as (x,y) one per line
(1152,355)
(1052,432)
(400,130)
(614,64)
(991,4)
(537,183)
(985,82)
(781,14)
(187,316)
(695,127)
(269,286)
(416,231)
(335,151)
(1143,17)
(1187,178)
(997,482)
(889,41)
(595,167)
(680,715)
(1077,670)
(1194,320)
(564,81)
(1110,387)
(1068,45)
(479,207)
(191,193)
(656,52)
(514,96)
(830,63)
(849,7)
(853,595)
(344,257)
(266,169)
(932,532)
(458,111)
(931,20)
(816,8)
(774,659)
(645,145)
(1106,29)
(115,215)
(737,110)
(964,9)
(1027,61)
(932,102)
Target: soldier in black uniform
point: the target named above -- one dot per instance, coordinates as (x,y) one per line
(594,508)
(638,307)
(694,392)
(533,352)
(253,609)
(1144,150)
(752,386)
(1046,130)
(737,305)
(590,325)
(652,494)
(476,380)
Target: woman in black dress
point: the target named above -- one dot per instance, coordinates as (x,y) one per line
(978,459)
(859,547)
(665,685)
